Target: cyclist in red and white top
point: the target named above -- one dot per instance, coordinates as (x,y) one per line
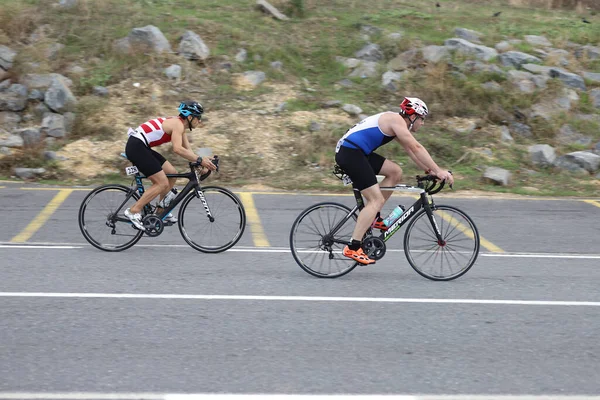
(152,164)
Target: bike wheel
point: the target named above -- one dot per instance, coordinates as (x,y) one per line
(314,249)
(103,223)
(220,234)
(442,262)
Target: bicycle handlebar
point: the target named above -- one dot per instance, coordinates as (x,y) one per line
(429,182)
(196,164)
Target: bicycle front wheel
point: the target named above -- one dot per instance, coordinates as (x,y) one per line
(216,232)
(451,258)
(101,218)
(317,249)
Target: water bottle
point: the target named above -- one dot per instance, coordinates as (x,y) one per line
(393,217)
(168,198)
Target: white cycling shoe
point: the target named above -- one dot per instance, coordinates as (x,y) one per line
(136,219)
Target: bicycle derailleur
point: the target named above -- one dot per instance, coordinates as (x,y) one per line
(374,247)
(153,225)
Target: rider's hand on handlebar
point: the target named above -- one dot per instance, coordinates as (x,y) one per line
(445,176)
(206,162)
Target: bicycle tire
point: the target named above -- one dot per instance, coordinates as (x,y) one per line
(235,217)
(85,223)
(319,249)
(457,229)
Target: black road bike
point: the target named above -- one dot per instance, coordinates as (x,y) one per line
(211,219)
(441,242)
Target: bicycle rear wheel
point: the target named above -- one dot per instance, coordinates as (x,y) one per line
(220,233)
(101,218)
(314,248)
(446,261)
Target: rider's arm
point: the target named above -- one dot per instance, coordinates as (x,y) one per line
(179,143)
(413,148)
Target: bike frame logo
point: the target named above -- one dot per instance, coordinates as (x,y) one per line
(204,203)
(396,225)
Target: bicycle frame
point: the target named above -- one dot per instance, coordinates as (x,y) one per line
(422,202)
(193,184)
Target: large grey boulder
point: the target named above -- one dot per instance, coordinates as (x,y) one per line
(43,81)
(468,34)
(192,47)
(516,59)
(466,47)
(54,125)
(586,160)
(542,155)
(14,98)
(538,40)
(147,38)
(568,78)
(59,97)
(498,176)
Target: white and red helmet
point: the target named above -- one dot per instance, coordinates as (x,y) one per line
(414,106)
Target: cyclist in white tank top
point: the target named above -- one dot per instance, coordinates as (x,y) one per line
(355,154)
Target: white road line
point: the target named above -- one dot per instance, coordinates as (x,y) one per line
(246,249)
(222,396)
(149,296)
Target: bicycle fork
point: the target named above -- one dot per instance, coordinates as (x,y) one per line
(429,207)
(202,198)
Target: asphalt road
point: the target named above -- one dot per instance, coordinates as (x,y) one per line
(164,318)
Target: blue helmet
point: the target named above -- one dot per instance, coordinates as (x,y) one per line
(193,108)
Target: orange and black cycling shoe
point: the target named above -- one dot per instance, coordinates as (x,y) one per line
(378,224)
(358,256)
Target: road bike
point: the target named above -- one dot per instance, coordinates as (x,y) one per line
(441,242)
(211,219)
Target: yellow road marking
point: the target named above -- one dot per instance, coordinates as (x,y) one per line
(42,217)
(593,202)
(258,234)
(484,242)
(2,187)
(58,188)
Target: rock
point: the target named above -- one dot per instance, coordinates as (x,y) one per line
(59,98)
(331,104)
(567,135)
(35,94)
(503,47)
(43,81)
(7,56)
(241,56)
(100,91)
(276,65)
(594,96)
(249,80)
(395,36)
(498,176)
(148,38)
(173,71)
(587,160)
(352,109)
(516,59)
(14,98)
(538,40)
(366,69)
(468,34)
(192,47)
(542,155)
(12,141)
(435,54)
(569,164)
(505,135)
(27,173)
(589,52)
(67,3)
(53,50)
(267,8)
(461,125)
(491,86)
(517,128)
(568,78)
(371,52)
(31,136)
(537,69)
(592,76)
(388,79)
(405,60)
(466,47)
(54,125)
(314,126)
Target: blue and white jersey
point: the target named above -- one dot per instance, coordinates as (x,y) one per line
(365,135)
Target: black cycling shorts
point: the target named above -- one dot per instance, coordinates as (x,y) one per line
(362,169)
(148,161)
